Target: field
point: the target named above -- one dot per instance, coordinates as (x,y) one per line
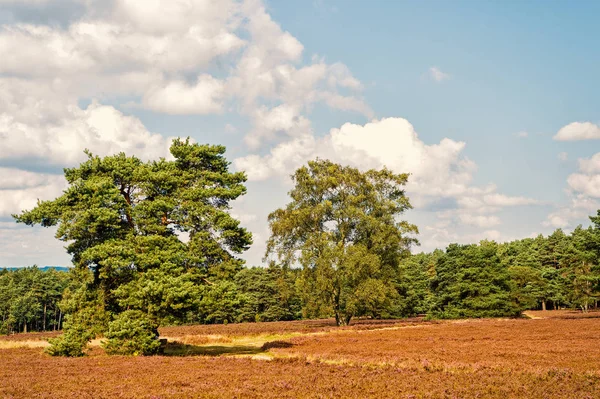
(553,354)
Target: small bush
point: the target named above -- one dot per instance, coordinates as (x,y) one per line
(132,333)
(69,344)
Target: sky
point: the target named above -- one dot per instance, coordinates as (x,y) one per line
(491,106)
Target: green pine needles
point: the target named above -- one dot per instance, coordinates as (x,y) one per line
(123,221)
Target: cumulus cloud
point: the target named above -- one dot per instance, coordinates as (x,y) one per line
(440,235)
(479,220)
(578,131)
(178,57)
(579,208)
(587,180)
(502,200)
(20,189)
(583,190)
(177,97)
(100,128)
(436,74)
(437,171)
(585,183)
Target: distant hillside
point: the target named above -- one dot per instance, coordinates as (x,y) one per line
(43,268)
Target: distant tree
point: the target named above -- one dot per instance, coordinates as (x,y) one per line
(122,219)
(471,281)
(30,298)
(580,268)
(342,226)
(269,294)
(412,284)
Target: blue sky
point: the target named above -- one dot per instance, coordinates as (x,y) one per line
(490,105)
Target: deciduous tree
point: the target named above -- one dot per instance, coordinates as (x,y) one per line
(342,225)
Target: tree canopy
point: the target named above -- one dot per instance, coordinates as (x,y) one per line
(342,226)
(150,232)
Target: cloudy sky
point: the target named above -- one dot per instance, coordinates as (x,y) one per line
(491,106)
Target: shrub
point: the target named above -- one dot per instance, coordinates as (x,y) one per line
(132,333)
(71,344)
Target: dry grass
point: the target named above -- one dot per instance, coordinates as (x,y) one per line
(517,358)
(510,345)
(6,344)
(36,336)
(563,314)
(301,326)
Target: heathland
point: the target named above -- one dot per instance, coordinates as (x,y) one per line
(550,354)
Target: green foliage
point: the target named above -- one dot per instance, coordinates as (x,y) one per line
(221,303)
(132,332)
(72,343)
(470,281)
(269,294)
(412,284)
(342,227)
(85,320)
(29,299)
(122,219)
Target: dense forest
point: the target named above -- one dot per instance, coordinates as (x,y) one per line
(488,279)
(30,299)
(338,249)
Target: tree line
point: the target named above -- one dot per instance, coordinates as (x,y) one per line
(492,279)
(30,299)
(488,279)
(154,243)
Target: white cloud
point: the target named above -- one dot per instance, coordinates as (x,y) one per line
(167,54)
(20,190)
(437,171)
(579,208)
(578,131)
(590,166)
(99,128)
(229,128)
(440,235)
(583,190)
(556,220)
(502,200)
(479,220)
(177,97)
(586,184)
(587,180)
(436,74)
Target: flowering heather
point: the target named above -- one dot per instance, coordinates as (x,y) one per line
(511,358)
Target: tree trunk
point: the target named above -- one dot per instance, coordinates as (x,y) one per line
(59,318)
(348,317)
(25,328)
(44,325)
(554,305)
(543,304)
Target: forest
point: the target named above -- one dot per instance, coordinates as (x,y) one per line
(30,299)
(488,279)
(338,249)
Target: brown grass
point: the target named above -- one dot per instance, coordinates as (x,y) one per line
(563,314)
(278,327)
(510,345)
(517,358)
